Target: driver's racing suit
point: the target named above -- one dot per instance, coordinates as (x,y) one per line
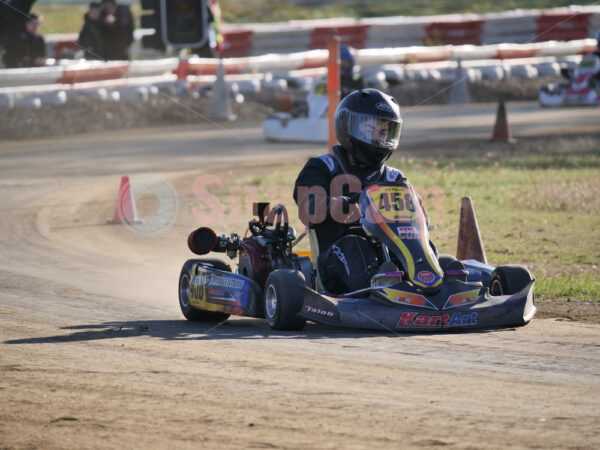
(346,261)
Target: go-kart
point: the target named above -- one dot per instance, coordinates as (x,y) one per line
(414,290)
(580,91)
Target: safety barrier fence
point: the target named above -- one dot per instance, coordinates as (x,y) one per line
(144,87)
(71,72)
(517,26)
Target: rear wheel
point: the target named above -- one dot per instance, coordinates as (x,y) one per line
(284,294)
(449,263)
(185,278)
(509,279)
(444,260)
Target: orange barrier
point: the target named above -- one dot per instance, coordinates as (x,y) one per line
(454,33)
(354,35)
(237,43)
(562,27)
(76,74)
(333,86)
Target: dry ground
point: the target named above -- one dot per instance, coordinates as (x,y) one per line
(94,352)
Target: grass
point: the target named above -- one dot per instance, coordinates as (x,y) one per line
(543,217)
(65,16)
(239,11)
(61,18)
(537,209)
(539,206)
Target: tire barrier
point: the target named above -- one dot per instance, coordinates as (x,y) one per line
(132,90)
(72,72)
(140,89)
(139,80)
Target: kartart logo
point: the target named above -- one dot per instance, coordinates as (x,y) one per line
(416,320)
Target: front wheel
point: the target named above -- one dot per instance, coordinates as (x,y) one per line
(185,278)
(284,294)
(509,279)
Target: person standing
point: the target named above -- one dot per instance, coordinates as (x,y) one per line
(90,36)
(27,48)
(13,14)
(117,30)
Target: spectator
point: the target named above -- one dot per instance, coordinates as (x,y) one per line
(90,36)
(12,19)
(27,48)
(214,44)
(217,22)
(117,29)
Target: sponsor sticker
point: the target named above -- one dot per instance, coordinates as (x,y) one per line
(318,311)
(425,277)
(407,233)
(384,106)
(464,298)
(407,298)
(373,175)
(216,280)
(340,255)
(392,174)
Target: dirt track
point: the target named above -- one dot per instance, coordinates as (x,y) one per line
(94,352)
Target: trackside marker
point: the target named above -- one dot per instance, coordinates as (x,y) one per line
(501,131)
(470,245)
(125,209)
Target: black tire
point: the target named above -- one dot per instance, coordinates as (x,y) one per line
(509,279)
(444,260)
(189,312)
(283,295)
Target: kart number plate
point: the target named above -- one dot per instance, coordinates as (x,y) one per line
(394,203)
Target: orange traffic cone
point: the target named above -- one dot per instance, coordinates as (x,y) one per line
(469,245)
(125,210)
(501,132)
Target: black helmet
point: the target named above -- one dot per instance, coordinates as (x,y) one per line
(368,125)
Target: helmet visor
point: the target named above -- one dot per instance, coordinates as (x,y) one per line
(375,131)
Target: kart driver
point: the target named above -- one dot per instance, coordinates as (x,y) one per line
(367,126)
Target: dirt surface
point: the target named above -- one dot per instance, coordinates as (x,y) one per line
(94,352)
(577,311)
(82,115)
